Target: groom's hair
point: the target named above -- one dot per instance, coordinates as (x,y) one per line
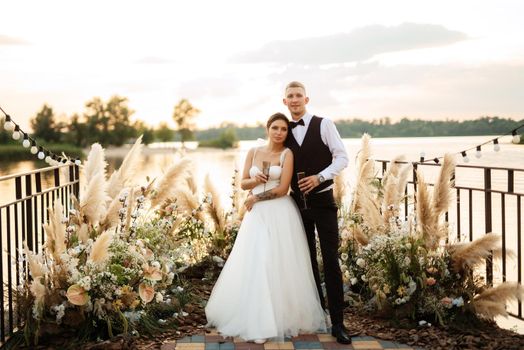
(276,116)
(295,84)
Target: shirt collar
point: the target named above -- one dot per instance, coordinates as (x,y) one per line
(306,118)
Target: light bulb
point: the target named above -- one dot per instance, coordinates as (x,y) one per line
(496,147)
(422,154)
(41,155)
(478,154)
(9,125)
(16,135)
(78,162)
(26,143)
(516,138)
(34,149)
(47,159)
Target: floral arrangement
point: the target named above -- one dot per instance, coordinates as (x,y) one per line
(407,267)
(111,264)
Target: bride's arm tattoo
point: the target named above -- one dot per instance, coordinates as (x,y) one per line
(264,196)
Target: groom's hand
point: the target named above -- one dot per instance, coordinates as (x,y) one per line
(307,184)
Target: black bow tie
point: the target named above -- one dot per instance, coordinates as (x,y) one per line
(294,124)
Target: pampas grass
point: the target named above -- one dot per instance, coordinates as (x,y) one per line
(55,231)
(492,302)
(339,188)
(166,185)
(427,218)
(95,163)
(35,263)
(365,174)
(468,255)
(111,217)
(100,250)
(123,176)
(214,209)
(443,186)
(93,199)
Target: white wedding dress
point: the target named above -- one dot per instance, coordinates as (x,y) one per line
(266,289)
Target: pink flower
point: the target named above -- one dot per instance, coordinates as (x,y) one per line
(432,270)
(431,281)
(146,292)
(447,302)
(77,295)
(152,273)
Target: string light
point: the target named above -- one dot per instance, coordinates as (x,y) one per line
(496,146)
(516,137)
(16,133)
(478,153)
(34,149)
(465,157)
(40,154)
(27,142)
(8,124)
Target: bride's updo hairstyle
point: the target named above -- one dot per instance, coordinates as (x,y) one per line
(276,116)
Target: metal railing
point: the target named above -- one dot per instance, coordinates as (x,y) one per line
(487,199)
(21,220)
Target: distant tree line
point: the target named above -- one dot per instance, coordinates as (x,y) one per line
(354,128)
(108,122)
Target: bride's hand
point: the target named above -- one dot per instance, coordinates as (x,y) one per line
(261,178)
(250,201)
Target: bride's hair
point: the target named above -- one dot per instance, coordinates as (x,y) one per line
(276,116)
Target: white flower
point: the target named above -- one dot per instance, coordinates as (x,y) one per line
(155,264)
(179,289)
(184,313)
(364,278)
(361,262)
(422,323)
(353,281)
(159,297)
(344,256)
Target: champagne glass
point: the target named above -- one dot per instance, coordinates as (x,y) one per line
(300,176)
(265,170)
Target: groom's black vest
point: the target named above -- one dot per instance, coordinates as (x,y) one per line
(312,156)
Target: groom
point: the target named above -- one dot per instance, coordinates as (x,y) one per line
(320,153)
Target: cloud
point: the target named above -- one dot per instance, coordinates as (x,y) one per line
(371,90)
(358,45)
(8,40)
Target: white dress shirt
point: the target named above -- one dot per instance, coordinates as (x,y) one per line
(331,138)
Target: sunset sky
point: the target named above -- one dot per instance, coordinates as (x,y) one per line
(232,59)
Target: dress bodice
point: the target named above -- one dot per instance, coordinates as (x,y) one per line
(275,171)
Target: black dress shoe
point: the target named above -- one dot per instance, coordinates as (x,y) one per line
(341,333)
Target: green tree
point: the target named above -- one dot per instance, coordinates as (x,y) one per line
(44,125)
(163,133)
(148,134)
(76,132)
(183,116)
(109,123)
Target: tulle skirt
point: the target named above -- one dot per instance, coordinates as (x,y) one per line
(266,288)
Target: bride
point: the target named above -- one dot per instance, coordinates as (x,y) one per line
(266,289)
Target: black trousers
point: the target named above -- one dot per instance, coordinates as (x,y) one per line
(322,214)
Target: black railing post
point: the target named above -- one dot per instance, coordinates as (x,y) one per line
(29,212)
(488,213)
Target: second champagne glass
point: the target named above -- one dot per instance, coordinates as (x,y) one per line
(300,176)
